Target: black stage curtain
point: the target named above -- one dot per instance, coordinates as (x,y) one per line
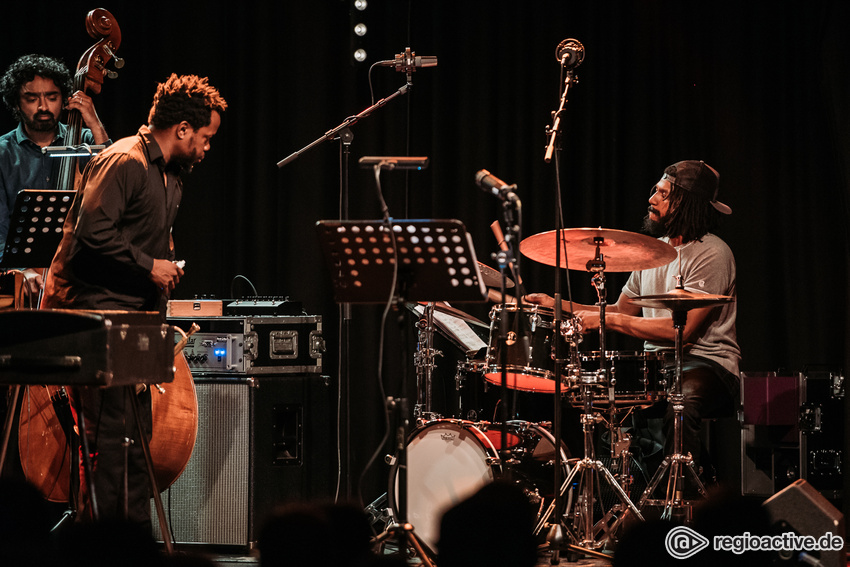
(758,92)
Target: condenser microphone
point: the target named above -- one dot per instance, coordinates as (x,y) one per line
(570,53)
(492,184)
(409,61)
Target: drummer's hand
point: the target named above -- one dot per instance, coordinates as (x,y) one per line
(540,299)
(589,320)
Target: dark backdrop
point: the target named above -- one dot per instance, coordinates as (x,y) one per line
(759,94)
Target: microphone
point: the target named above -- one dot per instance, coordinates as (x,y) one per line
(492,184)
(570,53)
(394,162)
(409,61)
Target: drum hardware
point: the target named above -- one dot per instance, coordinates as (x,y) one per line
(423,361)
(586,533)
(678,301)
(627,252)
(463,368)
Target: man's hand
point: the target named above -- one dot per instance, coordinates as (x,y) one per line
(33,281)
(83,103)
(589,320)
(166,275)
(540,299)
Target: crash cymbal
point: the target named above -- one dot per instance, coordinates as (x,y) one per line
(680,300)
(449,310)
(622,251)
(493,278)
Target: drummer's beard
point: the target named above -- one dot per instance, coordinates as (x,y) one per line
(656,228)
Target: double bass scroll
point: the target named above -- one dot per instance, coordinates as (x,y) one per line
(91,70)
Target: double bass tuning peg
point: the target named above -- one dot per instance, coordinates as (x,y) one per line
(118,63)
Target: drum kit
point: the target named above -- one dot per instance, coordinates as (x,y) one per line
(450,459)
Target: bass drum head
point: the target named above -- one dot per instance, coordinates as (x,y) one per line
(447,462)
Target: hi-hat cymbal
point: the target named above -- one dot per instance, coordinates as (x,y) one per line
(621,250)
(680,300)
(493,278)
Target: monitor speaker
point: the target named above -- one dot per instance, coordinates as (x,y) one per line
(801,509)
(261,442)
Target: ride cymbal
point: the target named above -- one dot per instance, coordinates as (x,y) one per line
(622,251)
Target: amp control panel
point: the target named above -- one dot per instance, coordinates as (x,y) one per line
(215,352)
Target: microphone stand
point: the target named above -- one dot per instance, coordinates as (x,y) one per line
(507,259)
(555,537)
(555,130)
(350,121)
(344,134)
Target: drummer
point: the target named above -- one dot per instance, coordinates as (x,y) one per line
(683,211)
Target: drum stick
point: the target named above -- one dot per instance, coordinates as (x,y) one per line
(495,296)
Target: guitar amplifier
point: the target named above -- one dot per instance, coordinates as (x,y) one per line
(254,345)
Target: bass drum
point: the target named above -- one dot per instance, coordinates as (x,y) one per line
(450,460)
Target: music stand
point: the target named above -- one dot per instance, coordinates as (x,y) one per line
(435,261)
(35,228)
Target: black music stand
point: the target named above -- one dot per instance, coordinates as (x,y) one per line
(35,229)
(435,261)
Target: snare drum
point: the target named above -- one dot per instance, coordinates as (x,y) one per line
(449,460)
(638,378)
(531,369)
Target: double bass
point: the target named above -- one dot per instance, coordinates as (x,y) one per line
(47,433)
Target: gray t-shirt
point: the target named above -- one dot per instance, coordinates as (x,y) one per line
(707,266)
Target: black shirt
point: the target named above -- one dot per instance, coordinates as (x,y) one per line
(119,223)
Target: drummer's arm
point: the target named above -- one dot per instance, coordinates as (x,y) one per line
(624,317)
(544,300)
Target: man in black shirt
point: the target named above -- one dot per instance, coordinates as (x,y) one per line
(117,254)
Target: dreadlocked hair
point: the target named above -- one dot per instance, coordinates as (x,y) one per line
(186,97)
(691,216)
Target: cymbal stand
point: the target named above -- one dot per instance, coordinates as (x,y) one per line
(585,532)
(677,464)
